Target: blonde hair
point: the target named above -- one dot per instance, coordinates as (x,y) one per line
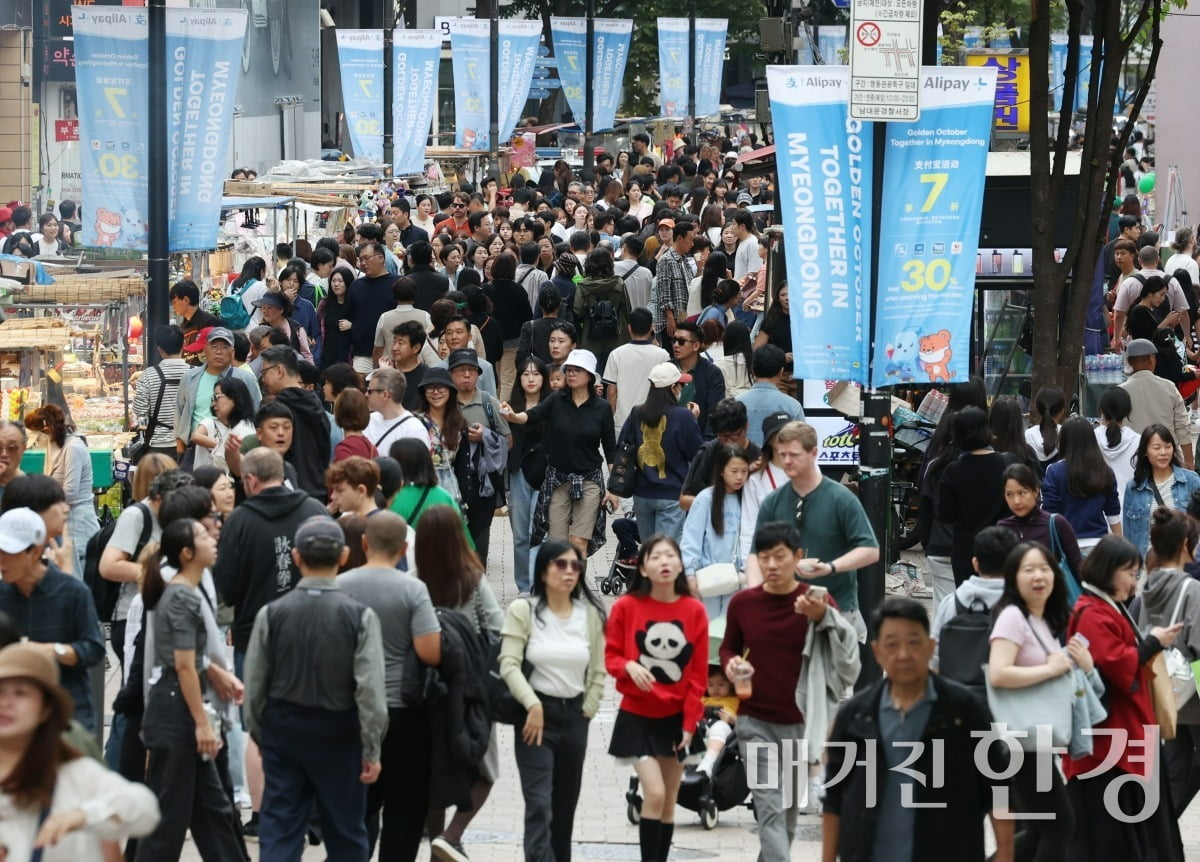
(800,432)
(149,469)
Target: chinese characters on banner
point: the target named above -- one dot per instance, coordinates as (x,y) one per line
(933,178)
(1012,88)
(825,176)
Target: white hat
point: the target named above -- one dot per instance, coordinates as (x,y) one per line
(667,374)
(20,530)
(584,359)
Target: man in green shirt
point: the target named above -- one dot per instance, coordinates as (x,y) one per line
(836,537)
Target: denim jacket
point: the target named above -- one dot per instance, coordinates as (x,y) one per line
(1139,499)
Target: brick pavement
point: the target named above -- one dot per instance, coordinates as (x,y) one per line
(602,831)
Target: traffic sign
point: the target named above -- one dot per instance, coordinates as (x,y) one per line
(885,61)
(539,93)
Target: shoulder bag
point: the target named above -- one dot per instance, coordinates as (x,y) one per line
(1178,668)
(622,478)
(1047,703)
(1056,549)
(504,707)
(720,579)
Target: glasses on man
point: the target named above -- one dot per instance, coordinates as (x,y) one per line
(375,391)
(679,340)
(458,206)
(573,566)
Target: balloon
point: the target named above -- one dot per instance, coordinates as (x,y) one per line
(135,327)
(1146,183)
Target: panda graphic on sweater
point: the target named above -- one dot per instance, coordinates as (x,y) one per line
(664,650)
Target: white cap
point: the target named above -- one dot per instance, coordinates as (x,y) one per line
(20,530)
(584,359)
(667,374)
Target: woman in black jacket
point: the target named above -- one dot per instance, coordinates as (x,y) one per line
(510,309)
(335,322)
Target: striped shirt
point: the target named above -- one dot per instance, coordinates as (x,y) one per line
(147,394)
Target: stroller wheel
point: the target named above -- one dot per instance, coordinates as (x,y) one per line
(604,587)
(633,812)
(709,814)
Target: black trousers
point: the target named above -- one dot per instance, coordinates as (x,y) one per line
(1041,840)
(1182,760)
(480,513)
(551,775)
(402,791)
(189,790)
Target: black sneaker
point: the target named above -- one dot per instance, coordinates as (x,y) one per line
(250,828)
(448,851)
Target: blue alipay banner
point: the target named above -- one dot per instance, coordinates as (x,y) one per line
(519,42)
(112,82)
(824,162)
(360,56)
(673,65)
(710,64)
(470,52)
(611,46)
(204,51)
(416,56)
(933,176)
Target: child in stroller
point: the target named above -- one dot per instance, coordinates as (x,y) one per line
(625,561)
(718,782)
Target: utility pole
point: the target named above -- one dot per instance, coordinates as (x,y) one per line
(494,109)
(690,122)
(157,179)
(589,76)
(389,121)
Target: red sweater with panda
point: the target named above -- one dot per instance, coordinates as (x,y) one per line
(669,639)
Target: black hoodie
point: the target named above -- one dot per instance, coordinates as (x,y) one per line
(310,438)
(254,561)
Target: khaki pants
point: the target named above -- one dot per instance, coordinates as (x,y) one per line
(569,517)
(507,372)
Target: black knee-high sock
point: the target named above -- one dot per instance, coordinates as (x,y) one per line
(667,830)
(649,837)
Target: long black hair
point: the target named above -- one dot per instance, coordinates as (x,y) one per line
(516,398)
(239,393)
(1049,402)
(1057,611)
(714,271)
(1112,553)
(1142,471)
(416,464)
(721,459)
(658,401)
(1115,406)
(253,269)
(179,536)
(1088,474)
(548,551)
(639,584)
(1008,431)
(737,343)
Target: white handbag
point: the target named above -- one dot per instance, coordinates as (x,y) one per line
(1179,669)
(720,579)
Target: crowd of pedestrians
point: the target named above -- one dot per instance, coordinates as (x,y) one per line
(298,594)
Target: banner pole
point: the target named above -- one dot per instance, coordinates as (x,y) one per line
(691,109)
(389,120)
(589,65)
(158,205)
(494,107)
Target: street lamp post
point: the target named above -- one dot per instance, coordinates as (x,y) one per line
(589,74)
(690,122)
(157,179)
(389,120)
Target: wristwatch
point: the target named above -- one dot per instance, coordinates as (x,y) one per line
(60,651)
(832,568)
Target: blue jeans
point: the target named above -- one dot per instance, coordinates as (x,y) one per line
(522,500)
(658,516)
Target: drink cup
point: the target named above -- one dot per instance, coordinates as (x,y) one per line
(742,686)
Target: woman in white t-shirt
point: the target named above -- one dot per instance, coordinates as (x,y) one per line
(1050,405)
(1030,617)
(559,631)
(48,241)
(1118,442)
(233,415)
(1183,245)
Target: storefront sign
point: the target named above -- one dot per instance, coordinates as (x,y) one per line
(1011,110)
(933,177)
(824,161)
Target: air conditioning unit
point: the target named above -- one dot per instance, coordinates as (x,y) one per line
(775,35)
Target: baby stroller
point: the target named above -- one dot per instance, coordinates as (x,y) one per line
(697,792)
(625,561)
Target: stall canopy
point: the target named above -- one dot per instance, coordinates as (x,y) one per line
(264,202)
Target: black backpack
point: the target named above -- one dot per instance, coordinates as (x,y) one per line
(105,592)
(963,645)
(603,320)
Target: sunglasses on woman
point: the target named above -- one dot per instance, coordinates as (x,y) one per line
(568,565)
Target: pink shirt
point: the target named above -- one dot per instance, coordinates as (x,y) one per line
(1012,625)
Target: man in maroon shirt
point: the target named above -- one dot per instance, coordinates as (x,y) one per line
(765,628)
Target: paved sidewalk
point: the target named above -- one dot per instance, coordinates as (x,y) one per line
(602,831)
